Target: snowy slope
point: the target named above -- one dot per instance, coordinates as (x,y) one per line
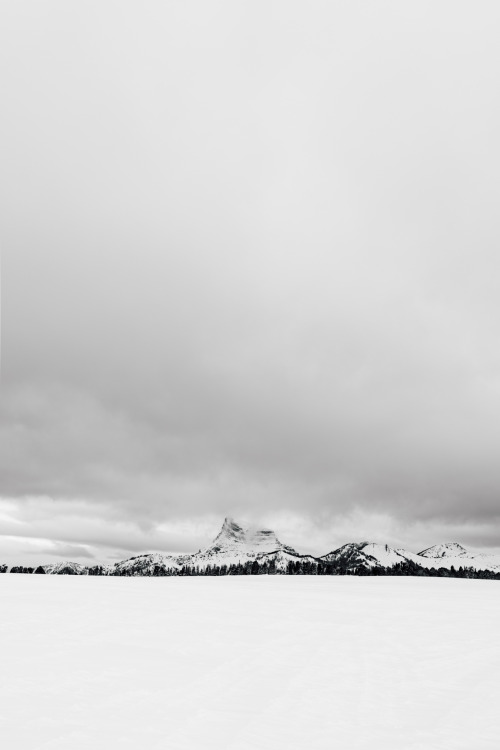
(449,549)
(453,554)
(365,554)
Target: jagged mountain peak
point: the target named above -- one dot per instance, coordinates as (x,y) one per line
(238,544)
(449,549)
(236,536)
(231,530)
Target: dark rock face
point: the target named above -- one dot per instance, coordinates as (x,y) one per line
(40,570)
(4,568)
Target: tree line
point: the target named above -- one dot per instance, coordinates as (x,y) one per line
(269,567)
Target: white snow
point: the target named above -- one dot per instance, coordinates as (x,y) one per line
(249,663)
(385,555)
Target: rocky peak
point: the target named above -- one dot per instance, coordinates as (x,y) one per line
(449,549)
(234,536)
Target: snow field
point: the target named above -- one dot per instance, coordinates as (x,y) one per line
(249,663)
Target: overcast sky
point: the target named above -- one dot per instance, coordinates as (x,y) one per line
(250,266)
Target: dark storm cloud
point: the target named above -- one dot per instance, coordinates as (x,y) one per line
(250,266)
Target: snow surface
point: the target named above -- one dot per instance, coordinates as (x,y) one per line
(249,663)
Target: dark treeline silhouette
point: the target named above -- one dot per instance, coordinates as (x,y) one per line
(302,567)
(21,569)
(269,567)
(308,568)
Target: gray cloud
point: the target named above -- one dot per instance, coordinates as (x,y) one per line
(249,267)
(67,551)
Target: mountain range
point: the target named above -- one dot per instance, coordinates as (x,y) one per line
(237,544)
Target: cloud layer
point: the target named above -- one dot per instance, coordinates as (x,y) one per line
(250,266)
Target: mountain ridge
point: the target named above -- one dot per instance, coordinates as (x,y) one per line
(238,544)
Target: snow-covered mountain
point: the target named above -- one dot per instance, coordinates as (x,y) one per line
(451,554)
(281,558)
(239,544)
(145,565)
(65,568)
(235,538)
(449,549)
(233,544)
(367,555)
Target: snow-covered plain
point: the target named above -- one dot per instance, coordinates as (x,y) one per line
(249,663)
